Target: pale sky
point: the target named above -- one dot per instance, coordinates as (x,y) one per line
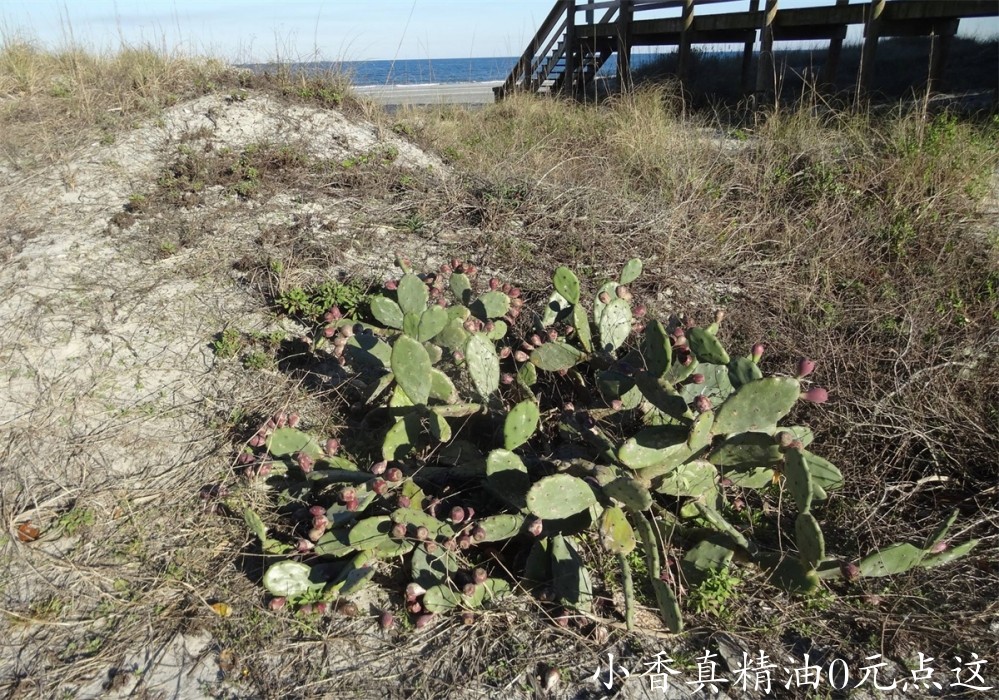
(305,30)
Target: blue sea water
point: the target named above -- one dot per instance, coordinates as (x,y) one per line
(431,71)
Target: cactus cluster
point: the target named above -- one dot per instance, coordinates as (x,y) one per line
(582,424)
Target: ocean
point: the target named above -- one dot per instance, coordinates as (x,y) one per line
(433,71)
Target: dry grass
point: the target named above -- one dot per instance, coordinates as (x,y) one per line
(856,238)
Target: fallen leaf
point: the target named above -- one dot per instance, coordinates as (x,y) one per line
(26,532)
(221,609)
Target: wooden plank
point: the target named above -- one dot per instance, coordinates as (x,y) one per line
(831,67)
(591,6)
(686,37)
(872,32)
(571,44)
(625,18)
(766,81)
(939,48)
(747,54)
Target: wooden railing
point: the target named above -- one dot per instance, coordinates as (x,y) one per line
(565,55)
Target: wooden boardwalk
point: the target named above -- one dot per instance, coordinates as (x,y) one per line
(577,38)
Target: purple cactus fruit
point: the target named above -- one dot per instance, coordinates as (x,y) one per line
(494,283)
(545,594)
(738,505)
(422,533)
(552,334)
(347,494)
(436,293)
(277,603)
(293,420)
(702,403)
(321,608)
(317,510)
(320,521)
(468,590)
(505,352)
(514,293)
(414,607)
(604,297)
(816,395)
(457,514)
(378,468)
(264,469)
(507,378)
(332,446)
(479,575)
(478,533)
(639,311)
(784,439)
(468,618)
(616,404)
(386,620)
(257,440)
(623,293)
(305,462)
(489,327)
(431,547)
(697,378)
(679,333)
(306,609)
(245,458)
(445,269)
(268,426)
(849,571)
(796,445)
(469,513)
(394,475)
(941,546)
(458,356)
(464,542)
(334,314)
(757,352)
(304,546)
(638,327)
(563,373)
(392,285)
(726,482)
(442,302)
(399,531)
(562,619)
(422,621)
(521,356)
(471,324)
(404,501)
(281,419)
(315,533)
(805,367)
(569,330)
(535,340)
(687,359)
(379,486)
(471,270)
(351,506)
(414,591)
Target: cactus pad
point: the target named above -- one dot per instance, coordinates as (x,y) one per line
(483,364)
(501,527)
(789,573)
(288,579)
(492,304)
(569,576)
(370,532)
(432,321)
(799,479)
(386,312)
(697,478)
(660,446)
(630,492)
(705,558)
(808,537)
(461,287)
(824,473)
(656,349)
(556,356)
(662,395)
(441,387)
(948,555)
(616,533)
(742,370)
(428,569)
(598,306)
(335,543)
(288,441)
(527,375)
(368,350)
(669,607)
(558,308)
(757,405)
(507,477)
(567,284)
(706,347)
(616,385)
(412,369)
(520,424)
(631,270)
(746,450)
(441,597)
(614,325)
(559,496)
(896,559)
(700,432)
(582,324)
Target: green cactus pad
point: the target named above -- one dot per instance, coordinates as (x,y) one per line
(617,385)
(368,351)
(704,559)
(631,270)
(582,324)
(399,398)
(453,336)
(824,473)
(662,395)
(416,429)
(520,424)
(412,294)
(507,477)
(742,370)
(717,521)
(706,347)
(696,479)
(289,441)
(557,309)
(800,432)
(370,532)
(938,535)
(798,479)
(255,524)
(432,321)
(498,332)
(700,432)
(628,589)
(501,527)
(599,306)
(412,369)
(616,533)
(461,287)
(746,450)
(716,385)
(948,555)
(756,478)
(335,543)
(559,496)
(656,349)
(288,579)
(679,372)
(494,589)
(895,559)
(527,375)
(660,446)
(386,312)
(555,356)
(391,549)
(538,567)
(570,578)
(441,387)
(615,325)
(430,569)
(808,537)
(490,305)
(435,352)
(417,518)
(650,544)
(789,573)
(411,324)
(757,405)
(567,284)
(483,364)
(669,607)
(355,576)
(440,598)
(630,492)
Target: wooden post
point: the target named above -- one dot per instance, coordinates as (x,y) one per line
(569,74)
(940,42)
(626,15)
(686,36)
(747,55)
(831,67)
(871,35)
(766,81)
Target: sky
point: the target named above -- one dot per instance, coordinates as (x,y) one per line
(248,31)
